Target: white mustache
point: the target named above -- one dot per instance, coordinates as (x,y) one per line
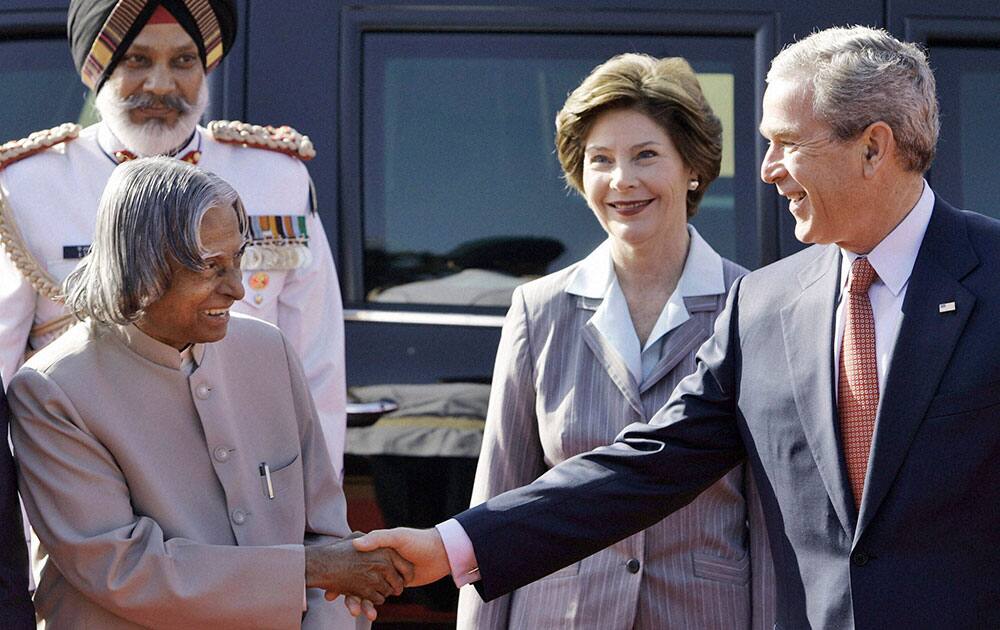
(145,99)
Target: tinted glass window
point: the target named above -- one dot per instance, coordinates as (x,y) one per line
(463,195)
(968,81)
(40,84)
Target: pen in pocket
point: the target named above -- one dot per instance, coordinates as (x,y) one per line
(265,480)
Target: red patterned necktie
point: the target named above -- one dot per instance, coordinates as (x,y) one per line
(858,386)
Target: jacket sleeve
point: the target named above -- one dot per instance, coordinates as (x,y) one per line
(511,454)
(595,499)
(15,602)
(79,503)
(311,315)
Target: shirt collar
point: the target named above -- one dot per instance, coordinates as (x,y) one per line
(157,351)
(595,273)
(893,258)
(595,278)
(702,274)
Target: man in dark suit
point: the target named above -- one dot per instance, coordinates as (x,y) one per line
(860,378)
(16,611)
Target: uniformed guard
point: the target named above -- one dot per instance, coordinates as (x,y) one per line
(146,60)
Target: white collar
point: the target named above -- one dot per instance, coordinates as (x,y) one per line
(702,274)
(893,258)
(595,273)
(595,278)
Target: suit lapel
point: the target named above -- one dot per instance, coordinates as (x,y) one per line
(606,355)
(923,348)
(808,330)
(681,341)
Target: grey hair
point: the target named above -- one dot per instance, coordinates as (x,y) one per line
(861,75)
(151,208)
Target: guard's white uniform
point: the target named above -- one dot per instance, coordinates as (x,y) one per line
(53,196)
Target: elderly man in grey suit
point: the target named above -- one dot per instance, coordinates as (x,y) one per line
(170,455)
(859,378)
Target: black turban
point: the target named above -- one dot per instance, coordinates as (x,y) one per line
(100,31)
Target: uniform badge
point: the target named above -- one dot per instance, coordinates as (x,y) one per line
(279,242)
(259,280)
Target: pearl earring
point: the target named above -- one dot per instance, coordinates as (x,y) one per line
(693,184)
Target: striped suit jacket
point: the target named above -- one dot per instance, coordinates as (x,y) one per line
(559,390)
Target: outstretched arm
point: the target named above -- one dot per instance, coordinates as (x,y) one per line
(595,499)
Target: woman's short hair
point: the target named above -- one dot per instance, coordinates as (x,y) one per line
(860,75)
(151,211)
(667,91)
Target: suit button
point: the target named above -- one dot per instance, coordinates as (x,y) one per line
(632,566)
(239,517)
(860,558)
(203,391)
(221,454)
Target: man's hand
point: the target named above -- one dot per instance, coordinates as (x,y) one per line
(422,547)
(341,569)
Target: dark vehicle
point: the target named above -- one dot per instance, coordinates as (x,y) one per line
(440,191)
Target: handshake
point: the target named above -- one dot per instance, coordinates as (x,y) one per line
(368,568)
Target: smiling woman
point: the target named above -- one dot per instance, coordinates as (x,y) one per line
(638,140)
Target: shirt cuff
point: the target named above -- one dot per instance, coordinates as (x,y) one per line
(461,555)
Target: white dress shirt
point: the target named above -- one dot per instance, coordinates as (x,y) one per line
(893,260)
(595,278)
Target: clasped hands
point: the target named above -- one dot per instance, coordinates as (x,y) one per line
(367,569)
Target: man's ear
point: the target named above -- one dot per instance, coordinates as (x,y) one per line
(878,145)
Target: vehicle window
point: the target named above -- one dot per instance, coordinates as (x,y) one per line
(41,86)
(463,196)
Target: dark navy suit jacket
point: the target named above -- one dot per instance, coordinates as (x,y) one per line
(16,611)
(923,551)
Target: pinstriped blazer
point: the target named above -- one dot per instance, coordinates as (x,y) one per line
(559,390)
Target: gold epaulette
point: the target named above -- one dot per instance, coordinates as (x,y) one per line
(37,142)
(282,139)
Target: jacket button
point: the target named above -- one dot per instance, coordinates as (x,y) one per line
(239,517)
(221,454)
(632,566)
(860,558)
(203,391)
